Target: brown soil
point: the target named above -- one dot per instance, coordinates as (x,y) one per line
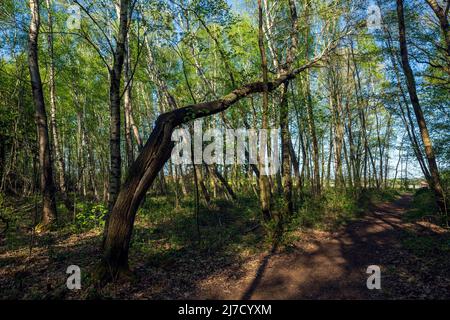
(321,265)
(333,265)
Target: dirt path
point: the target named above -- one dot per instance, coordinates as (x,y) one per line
(328,266)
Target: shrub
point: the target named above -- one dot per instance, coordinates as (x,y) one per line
(423,205)
(90,216)
(6,215)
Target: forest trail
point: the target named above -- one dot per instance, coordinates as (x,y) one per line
(332,266)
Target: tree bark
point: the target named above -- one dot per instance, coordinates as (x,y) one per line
(128,104)
(407,119)
(442,15)
(57,154)
(285,152)
(264,187)
(411,84)
(316,187)
(286,143)
(150,161)
(46,175)
(115,97)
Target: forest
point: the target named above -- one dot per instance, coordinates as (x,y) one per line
(224,149)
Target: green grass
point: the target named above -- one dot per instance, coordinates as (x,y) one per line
(371,197)
(337,207)
(424,245)
(163,232)
(333,209)
(423,207)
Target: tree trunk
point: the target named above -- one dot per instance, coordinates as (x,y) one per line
(316,188)
(150,161)
(312,130)
(286,143)
(285,152)
(2,159)
(57,153)
(46,179)
(407,119)
(115,97)
(411,84)
(264,187)
(442,14)
(130,127)
(229,191)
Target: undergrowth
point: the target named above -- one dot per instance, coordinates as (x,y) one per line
(423,207)
(332,209)
(162,229)
(419,239)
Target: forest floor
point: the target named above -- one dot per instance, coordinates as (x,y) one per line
(332,265)
(413,254)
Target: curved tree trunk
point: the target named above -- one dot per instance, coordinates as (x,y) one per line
(151,160)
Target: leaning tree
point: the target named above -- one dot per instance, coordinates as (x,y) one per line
(157,150)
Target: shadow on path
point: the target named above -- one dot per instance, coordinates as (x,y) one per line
(329,267)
